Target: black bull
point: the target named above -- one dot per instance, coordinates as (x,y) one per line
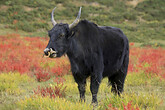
(96,51)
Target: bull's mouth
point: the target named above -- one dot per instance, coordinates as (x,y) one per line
(51,54)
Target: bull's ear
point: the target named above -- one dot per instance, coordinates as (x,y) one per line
(71,34)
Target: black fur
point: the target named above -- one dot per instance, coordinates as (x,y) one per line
(96,51)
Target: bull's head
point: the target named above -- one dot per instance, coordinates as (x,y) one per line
(59,35)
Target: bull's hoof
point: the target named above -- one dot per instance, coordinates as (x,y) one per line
(82,100)
(94,104)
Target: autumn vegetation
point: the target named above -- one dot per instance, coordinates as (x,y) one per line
(22,62)
(29,81)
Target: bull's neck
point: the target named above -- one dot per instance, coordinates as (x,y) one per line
(74,49)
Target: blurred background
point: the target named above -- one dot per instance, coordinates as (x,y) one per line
(143,21)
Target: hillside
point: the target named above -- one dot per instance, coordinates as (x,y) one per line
(141,20)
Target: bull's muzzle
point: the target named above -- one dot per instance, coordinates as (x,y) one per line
(49,52)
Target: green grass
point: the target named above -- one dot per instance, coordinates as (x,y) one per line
(146,92)
(14,87)
(46,103)
(142,23)
(153,9)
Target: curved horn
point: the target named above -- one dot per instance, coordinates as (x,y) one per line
(77,19)
(52,17)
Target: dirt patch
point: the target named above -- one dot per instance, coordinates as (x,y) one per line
(94,15)
(134,3)
(28,8)
(4,8)
(85,4)
(60,6)
(95,4)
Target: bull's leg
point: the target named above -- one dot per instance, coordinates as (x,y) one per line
(118,79)
(117,82)
(96,75)
(117,87)
(81,86)
(94,86)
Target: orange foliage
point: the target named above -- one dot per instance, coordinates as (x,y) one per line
(149,60)
(24,54)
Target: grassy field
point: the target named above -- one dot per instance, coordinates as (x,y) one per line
(30,82)
(145,95)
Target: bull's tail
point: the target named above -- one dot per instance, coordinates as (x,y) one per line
(123,65)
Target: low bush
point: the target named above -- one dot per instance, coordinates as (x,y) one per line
(41,75)
(52,91)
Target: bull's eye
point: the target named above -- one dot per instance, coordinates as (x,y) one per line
(62,35)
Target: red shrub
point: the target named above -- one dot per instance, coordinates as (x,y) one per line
(149,60)
(59,80)
(58,71)
(24,54)
(131,44)
(110,107)
(155,58)
(42,75)
(129,106)
(52,92)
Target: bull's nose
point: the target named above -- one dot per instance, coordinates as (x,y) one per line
(46,51)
